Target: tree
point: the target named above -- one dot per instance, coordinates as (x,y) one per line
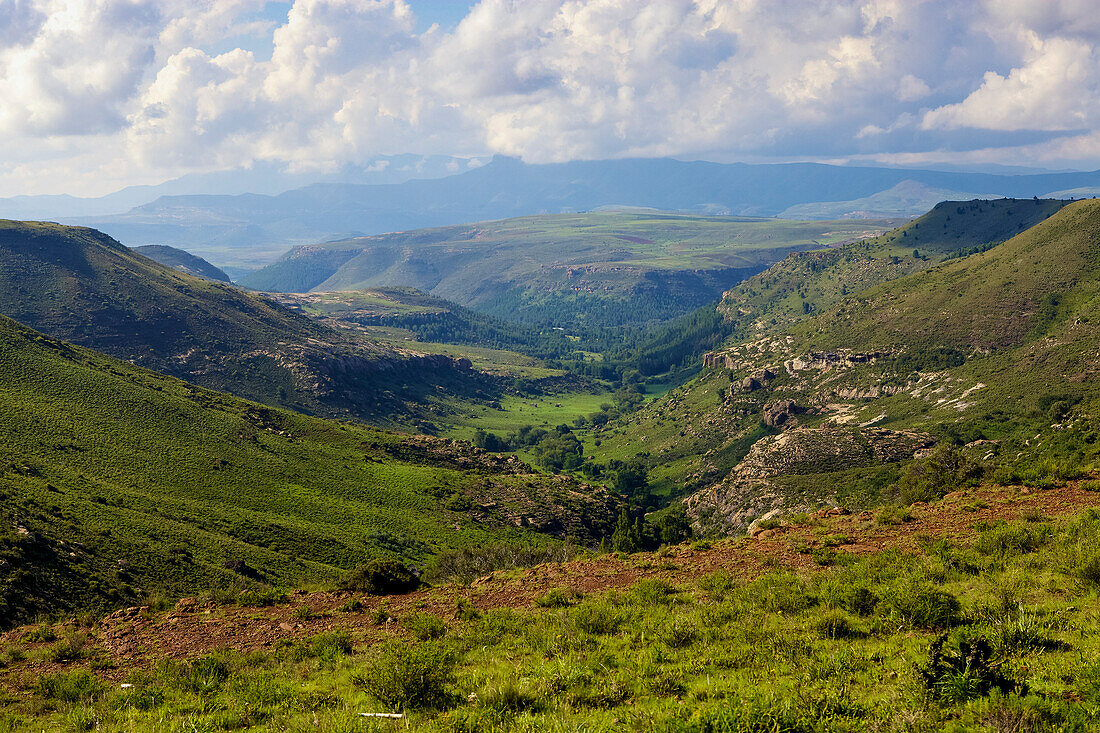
(627,536)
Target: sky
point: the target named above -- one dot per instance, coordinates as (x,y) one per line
(99,94)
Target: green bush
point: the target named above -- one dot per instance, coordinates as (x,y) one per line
(410,676)
(426,626)
(956,675)
(142,697)
(261,598)
(933,477)
(1007,540)
(653,592)
(558,598)
(381,578)
(203,676)
(43,633)
(923,606)
(838,625)
(80,685)
(596,618)
(72,646)
(331,646)
(717,584)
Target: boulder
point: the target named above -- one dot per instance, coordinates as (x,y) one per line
(777,414)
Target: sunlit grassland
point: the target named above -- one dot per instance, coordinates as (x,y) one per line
(840,646)
(170,482)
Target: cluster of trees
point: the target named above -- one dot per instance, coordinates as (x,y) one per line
(637,533)
(557,449)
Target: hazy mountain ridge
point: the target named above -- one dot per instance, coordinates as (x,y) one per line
(236,230)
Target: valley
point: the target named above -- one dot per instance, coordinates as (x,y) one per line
(907,411)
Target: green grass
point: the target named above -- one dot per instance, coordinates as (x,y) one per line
(515,412)
(116,482)
(877,644)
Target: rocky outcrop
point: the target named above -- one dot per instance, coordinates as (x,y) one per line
(781,413)
(750,489)
(844,358)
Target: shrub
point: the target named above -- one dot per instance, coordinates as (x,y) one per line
(426,626)
(381,614)
(891,515)
(717,584)
(1007,540)
(204,675)
(466,611)
(558,598)
(596,618)
(331,646)
(1088,571)
(780,592)
(410,676)
(72,687)
(924,606)
(954,676)
(473,562)
(1023,631)
(305,613)
(353,605)
(43,633)
(381,578)
(933,477)
(838,625)
(261,598)
(680,633)
(71,647)
(653,591)
(508,697)
(858,599)
(141,697)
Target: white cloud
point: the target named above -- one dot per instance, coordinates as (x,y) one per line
(95,92)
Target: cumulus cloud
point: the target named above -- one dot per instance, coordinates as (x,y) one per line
(93,92)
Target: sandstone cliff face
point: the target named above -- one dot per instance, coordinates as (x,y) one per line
(750,491)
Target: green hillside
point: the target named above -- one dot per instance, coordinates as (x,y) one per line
(399,315)
(182,261)
(990,300)
(566,270)
(987,349)
(808,283)
(116,481)
(80,285)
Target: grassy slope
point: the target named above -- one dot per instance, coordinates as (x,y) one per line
(116,480)
(820,279)
(81,286)
(182,260)
(990,300)
(688,439)
(815,629)
(599,269)
(401,315)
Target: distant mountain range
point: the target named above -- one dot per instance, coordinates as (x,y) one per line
(262,178)
(237,222)
(603,269)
